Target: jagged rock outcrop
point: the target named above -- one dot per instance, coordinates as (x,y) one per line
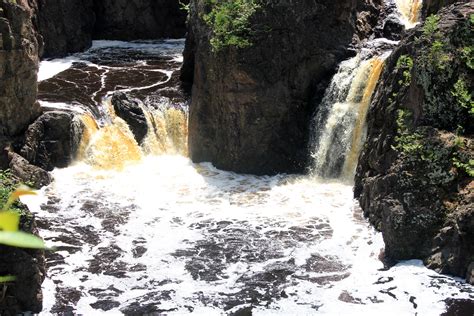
(415,175)
(53,140)
(251,106)
(129,109)
(18,68)
(139,19)
(66,25)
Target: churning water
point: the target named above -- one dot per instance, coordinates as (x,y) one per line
(163,235)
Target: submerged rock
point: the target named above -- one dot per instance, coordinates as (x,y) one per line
(414,179)
(251,105)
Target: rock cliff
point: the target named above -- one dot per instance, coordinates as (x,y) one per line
(415,175)
(66,25)
(253,85)
(18,68)
(139,19)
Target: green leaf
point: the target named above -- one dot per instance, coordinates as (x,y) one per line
(21,239)
(9,221)
(7,278)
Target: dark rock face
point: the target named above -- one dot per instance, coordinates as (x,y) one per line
(28,173)
(29,268)
(413,176)
(53,140)
(66,25)
(18,68)
(433,6)
(139,19)
(251,107)
(129,109)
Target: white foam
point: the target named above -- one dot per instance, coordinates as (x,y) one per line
(52,67)
(166,196)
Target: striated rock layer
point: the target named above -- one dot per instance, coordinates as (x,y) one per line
(415,175)
(251,106)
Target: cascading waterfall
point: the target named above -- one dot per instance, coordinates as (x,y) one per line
(340,120)
(409,11)
(113,146)
(140,229)
(339,123)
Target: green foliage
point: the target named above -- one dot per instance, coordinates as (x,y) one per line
(230,22)
(430,28)
(10,214)
(467,54)
(463,95)
(405,63)
(406,141)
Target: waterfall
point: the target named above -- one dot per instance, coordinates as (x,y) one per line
(339,125)
(113,146)
(409,11)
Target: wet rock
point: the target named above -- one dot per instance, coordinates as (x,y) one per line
(131,111)
(419,197)
(28,173)
(18,69)
(139,19)
(251,106)
(53,140)
(392,28)
(24,294)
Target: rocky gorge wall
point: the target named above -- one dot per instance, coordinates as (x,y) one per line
(415,175)
(252,101)
(69,26)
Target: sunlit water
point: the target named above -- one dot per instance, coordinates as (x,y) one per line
(164,235)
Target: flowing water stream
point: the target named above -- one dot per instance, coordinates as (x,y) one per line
(143,230)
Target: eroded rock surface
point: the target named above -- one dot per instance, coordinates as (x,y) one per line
(414,179)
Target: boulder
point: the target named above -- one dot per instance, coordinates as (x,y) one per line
(53,140)
(414,180)
(28,173)
(251,104)
(131,111)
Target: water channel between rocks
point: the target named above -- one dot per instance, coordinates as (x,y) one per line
(163,235)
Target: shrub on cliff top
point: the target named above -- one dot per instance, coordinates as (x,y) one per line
(230,22)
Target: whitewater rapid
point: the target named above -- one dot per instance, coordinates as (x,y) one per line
(167,235)
(163,235)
